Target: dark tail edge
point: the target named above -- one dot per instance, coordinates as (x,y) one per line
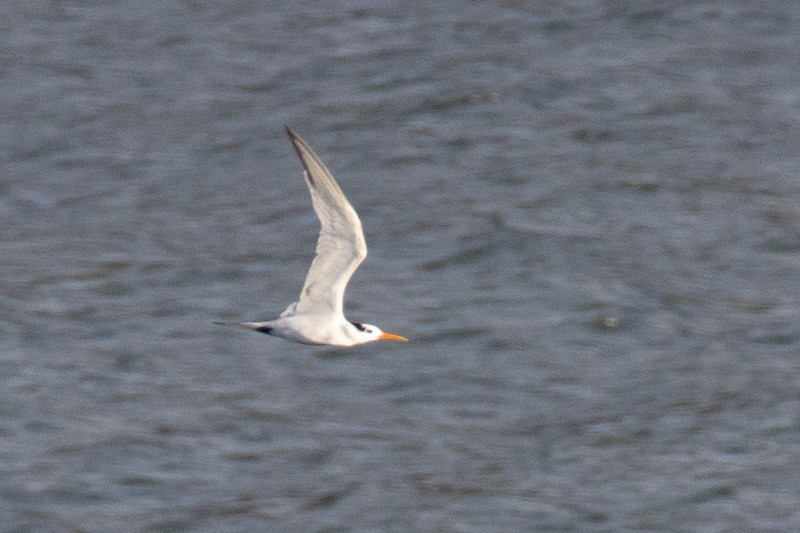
(264,329)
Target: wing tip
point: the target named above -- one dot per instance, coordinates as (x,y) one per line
(297,143)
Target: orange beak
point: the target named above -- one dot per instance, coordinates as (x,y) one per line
(392,337)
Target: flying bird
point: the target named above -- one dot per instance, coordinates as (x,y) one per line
(318,316)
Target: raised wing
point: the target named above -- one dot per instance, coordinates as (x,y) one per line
(341,246)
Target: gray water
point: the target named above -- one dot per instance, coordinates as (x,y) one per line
(585,216)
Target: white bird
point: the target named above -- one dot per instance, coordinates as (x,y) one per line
(318,316)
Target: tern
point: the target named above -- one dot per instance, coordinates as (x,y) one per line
(318,316)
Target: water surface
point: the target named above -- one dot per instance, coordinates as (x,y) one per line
(583,214)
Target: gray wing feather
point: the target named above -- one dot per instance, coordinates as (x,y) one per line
(341,247)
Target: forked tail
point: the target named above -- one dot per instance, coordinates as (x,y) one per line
(261,327)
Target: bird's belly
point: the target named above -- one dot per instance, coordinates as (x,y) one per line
(312,330)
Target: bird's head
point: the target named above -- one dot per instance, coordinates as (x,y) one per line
(368,332)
